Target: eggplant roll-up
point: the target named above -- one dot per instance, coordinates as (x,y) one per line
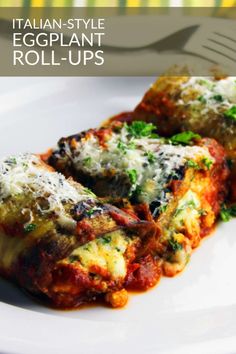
(179,182)
(59,242)
(204,105)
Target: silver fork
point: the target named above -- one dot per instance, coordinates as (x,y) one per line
(214,44)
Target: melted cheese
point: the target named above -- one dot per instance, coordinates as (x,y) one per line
(124,153)
(201,92)
(25,174)
(106,252)
(187,210)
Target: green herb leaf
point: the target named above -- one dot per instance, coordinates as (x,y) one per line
(12,161)
(207,162)
(184,138)
(150,157)
(163,208)
(93,210)
(227,213)
(88,191)
(29,227)
(202,212)
(105,239)
(189,204)
(193,164)
(123,147)
(140,129)
(175,245)
(202,99)
(206,83)
(138,191)
(218,98)
(133,176)
(231,113)
(87,161)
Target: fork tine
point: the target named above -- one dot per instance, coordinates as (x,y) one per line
(226,36)
(222,45)
(223,55)
(225,39)
(215,45)
(221,48)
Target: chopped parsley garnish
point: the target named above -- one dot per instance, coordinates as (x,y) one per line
(227,213)
(206,83)
(105,239)
(123,147)
(202,99)
(29,227)
(133,176)
(87,190)
(193,164)
(218,98)
(207,162)
(87,161)
(184,138)
(11,161)
(189,204)
(139,129)
(93,210)
(202,212)
(150,157)
(138,191)
(163,208)
(231,113)
(174,244)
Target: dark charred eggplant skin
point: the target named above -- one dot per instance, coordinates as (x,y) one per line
(33,270)
(37,246)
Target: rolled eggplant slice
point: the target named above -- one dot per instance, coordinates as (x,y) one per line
(204,105)
(179,187)
(57,240)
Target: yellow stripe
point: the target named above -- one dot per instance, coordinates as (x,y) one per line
(228,3)
(133,3)
(37,3)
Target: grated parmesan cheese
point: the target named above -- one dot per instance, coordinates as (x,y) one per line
(25,174)
(203,92)
(124,153)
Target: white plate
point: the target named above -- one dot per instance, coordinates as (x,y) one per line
(193,312)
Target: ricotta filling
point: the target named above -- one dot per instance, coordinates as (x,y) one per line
(106,252)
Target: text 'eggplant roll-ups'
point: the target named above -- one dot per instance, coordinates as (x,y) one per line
(204,105)
(179,183)
(59,241)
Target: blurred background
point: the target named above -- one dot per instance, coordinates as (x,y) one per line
(119,3)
